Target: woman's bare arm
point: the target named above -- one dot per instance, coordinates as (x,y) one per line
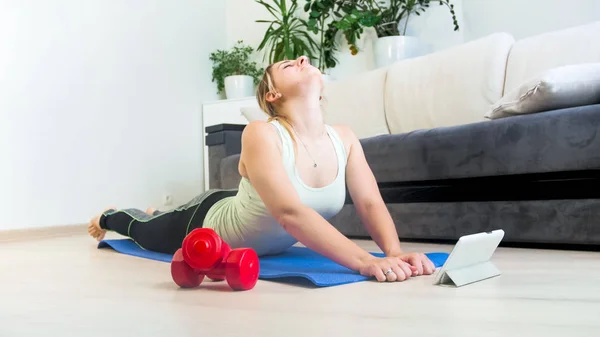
(371,208)
(366,197)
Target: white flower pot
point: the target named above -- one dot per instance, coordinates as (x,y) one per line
(239,86)
(391,49)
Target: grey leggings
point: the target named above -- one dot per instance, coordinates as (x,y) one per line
(162,232)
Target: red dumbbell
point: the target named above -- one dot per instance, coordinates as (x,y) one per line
(204,253)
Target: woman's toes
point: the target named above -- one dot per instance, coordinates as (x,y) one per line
(94,228)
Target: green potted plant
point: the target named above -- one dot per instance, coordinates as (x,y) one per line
(390,21)
(320,11)
(234,72)
(286,38)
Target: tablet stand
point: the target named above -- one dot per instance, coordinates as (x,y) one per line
(470,274)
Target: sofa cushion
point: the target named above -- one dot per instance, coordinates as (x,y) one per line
(230,175)
(451,87)
(552,141)
(254,113)
(357,101)
(531,56)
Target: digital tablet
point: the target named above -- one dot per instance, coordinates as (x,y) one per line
(469,260)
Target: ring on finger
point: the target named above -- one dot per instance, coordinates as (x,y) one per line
(387,272)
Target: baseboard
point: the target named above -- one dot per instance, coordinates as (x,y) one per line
(27,234)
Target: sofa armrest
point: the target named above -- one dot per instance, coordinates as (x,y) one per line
(222,141)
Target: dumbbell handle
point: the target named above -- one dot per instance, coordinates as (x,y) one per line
(219,270)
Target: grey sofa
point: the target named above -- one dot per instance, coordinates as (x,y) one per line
(446,182)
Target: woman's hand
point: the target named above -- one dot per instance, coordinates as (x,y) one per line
(388,269)
(420,263)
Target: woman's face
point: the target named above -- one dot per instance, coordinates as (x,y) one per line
(296,77)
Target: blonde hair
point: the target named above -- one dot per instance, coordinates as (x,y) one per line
(265,86)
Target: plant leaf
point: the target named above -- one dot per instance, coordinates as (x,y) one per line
(269,8)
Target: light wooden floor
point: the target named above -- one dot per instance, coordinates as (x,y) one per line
(67,287)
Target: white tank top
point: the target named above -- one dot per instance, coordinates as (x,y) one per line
(244,221)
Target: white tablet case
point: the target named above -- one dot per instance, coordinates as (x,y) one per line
(469,261)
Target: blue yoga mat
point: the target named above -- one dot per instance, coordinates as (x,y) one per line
(294,263)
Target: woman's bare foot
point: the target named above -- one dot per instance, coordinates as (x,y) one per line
(151,210)
(94,227)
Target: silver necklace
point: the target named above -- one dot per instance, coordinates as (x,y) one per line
(313,159)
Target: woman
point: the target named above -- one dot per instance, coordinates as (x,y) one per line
(294,170)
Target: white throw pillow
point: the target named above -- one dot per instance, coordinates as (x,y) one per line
(557,88)
(533,55)
(254,113)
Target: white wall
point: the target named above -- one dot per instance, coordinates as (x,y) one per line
(241,22)
(523,18)
(100,104)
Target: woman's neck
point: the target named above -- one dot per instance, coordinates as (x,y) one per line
(306,117)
